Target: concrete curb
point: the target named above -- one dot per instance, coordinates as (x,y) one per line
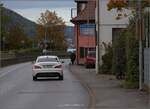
(92,101)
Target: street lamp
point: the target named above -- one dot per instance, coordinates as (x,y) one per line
(45,40)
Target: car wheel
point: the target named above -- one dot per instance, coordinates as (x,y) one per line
(61,77)
(34,78)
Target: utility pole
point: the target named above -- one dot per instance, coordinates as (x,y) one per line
(139,34)
(97,38)
(45,40)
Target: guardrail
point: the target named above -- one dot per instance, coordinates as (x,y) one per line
(10,58)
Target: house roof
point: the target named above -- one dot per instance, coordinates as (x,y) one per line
(88,14)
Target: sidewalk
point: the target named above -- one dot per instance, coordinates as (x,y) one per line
(108,92)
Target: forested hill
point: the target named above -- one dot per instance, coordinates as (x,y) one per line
(29,27)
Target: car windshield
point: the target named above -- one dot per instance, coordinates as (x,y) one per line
(92,54)
(47,59)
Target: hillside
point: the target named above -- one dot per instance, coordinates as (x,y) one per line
(28,26)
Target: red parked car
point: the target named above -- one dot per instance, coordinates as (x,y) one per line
(90,59)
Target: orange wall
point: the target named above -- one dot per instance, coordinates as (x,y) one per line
(87,41)
(82,41)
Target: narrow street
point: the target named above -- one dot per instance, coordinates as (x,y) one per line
(75,54)
(18,91)
(80,89)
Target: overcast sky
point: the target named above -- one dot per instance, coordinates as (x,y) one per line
(31,9)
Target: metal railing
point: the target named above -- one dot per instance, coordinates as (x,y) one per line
(10,58)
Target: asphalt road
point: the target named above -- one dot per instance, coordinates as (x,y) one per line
(18,91)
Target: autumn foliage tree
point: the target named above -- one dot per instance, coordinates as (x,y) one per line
(3,31)
(50,31)
(12,35)
(120,4)
(17,39)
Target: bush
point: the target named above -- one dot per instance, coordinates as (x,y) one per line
(106,67)
(29,52)
(132,51)
(119,55)
(125,56)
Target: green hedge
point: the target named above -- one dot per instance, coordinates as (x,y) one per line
(119,55)
(122,59)
(132,51)
(106,67)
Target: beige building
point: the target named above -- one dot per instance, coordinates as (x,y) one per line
(107,26)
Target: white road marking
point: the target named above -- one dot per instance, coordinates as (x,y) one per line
(2,74)
(71,105)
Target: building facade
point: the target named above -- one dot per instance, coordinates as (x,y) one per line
(84,23)
(107,26)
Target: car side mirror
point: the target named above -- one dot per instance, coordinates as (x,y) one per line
(62,61)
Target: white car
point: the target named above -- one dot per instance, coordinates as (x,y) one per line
(47,66)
